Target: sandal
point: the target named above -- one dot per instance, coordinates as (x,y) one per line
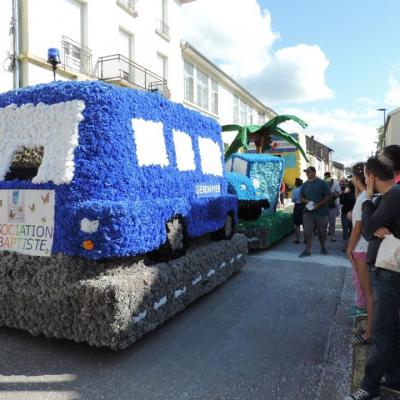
(359,330)
(358,339)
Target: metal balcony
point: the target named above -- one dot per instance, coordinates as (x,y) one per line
(129,6)
(119,69)
(75,56)
(163,28)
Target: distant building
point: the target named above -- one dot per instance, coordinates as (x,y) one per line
(392,128)
(319,156)
(338,169)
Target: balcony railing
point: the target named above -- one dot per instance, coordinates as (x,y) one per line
(117,67)
(75,56)
(128,5)
(162,28)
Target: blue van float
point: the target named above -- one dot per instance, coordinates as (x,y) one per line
(99,171)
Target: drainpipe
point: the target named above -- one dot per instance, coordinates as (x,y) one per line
(15,36)
(23,42)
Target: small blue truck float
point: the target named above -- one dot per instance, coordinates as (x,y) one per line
(99,171)
(255,179)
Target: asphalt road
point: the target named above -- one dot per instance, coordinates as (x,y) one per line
(276,330)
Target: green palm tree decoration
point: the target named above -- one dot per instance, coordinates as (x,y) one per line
(261,135)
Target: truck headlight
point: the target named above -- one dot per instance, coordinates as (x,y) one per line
(256,183)
(88,226)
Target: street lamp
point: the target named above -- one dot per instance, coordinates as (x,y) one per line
(384,115)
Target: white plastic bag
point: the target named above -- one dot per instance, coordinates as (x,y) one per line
(389,254)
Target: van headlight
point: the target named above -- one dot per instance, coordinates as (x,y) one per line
(88,226)
(256,183)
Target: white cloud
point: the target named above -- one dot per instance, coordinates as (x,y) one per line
(350,134)
(238,36)
(367,101)
(393,94)
(295,74)
(235,34)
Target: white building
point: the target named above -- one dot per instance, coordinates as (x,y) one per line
(392,128)
(135,43)
(210,90)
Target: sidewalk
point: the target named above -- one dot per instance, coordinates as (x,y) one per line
(359,360)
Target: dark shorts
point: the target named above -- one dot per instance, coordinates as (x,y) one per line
(313,221)
(298,214)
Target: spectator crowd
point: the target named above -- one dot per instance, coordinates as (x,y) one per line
(368,203)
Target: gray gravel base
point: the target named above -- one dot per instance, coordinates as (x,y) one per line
(257,237)
(113,302)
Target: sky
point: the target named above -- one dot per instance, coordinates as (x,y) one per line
(332,63)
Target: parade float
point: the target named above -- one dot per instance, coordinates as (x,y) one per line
(109,199)
(256,175)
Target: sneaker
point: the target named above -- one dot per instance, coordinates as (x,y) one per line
(361,394)
(324,251)
(392,387)
(357,312)
(305,253)
(333,239)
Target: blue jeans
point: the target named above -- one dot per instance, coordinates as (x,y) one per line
(346,226)
(384,358)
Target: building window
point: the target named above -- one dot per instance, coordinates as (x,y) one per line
(249,115)
(74,26)
(214,96)
(202,90)
(162,65)
(162,22)
(236,110)
(243,113)
(127,50)
(261,118)
(189,82)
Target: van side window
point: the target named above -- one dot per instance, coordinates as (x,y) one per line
(184,151)
(210,155)
(228,165)
(150,143)
(240,166)
(55,127)
(25,164)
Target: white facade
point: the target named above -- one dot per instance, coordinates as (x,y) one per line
(209,90)
(392,128)
(97,41)
(147,32)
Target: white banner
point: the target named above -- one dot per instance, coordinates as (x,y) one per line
(27,221)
